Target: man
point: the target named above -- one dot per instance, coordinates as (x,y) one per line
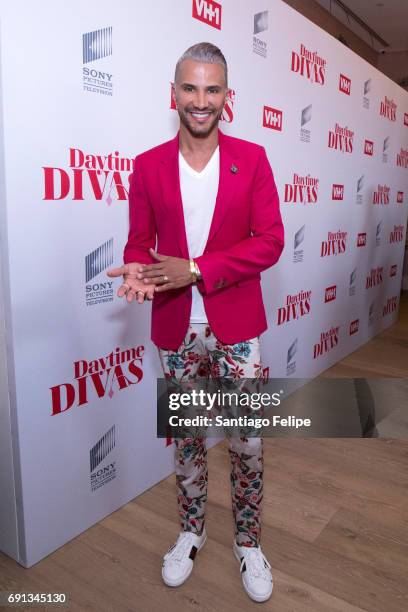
(211,202)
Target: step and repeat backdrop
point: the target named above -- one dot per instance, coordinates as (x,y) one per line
(86,87)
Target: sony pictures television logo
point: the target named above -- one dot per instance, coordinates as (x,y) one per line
(378,233)
(352,282)
(290,360)
(386,145)
(259,46)
(305,118)
(367,88)
(95,263)
(359,190)
(371,313)
(298,240)
(102,475)
(97,46)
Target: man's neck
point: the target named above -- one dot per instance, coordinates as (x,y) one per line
(192,146)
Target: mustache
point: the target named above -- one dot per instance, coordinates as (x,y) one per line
(200,110)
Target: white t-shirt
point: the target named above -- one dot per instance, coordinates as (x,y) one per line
(198,193)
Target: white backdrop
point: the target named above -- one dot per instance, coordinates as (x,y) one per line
(86,87)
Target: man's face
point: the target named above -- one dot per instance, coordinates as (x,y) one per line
(200,94)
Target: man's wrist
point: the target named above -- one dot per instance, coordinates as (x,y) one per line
(195,271)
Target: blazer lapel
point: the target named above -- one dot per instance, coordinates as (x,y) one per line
(226,185)
(171,193)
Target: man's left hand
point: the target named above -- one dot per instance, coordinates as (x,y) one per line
(168,273)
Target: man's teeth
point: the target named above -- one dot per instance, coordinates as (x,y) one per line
(200,114)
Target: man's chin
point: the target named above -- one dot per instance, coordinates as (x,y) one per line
(201,131)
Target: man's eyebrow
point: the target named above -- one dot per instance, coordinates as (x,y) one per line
(208,86)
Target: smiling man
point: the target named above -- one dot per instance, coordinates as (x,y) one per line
(210,202)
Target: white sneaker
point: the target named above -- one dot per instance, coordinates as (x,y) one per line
(178,561)
(255,571)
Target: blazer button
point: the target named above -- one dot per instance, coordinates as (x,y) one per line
(221,282)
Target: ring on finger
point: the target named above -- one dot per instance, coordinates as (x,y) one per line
(165,278)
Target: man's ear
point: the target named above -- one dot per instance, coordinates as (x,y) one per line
(173,94)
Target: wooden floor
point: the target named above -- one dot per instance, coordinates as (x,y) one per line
(335,527)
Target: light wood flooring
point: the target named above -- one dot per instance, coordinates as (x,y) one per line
(335,527)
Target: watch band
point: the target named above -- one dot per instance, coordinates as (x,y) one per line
(199,277)
(195,271)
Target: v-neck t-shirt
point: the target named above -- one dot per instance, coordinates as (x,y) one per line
(198,193)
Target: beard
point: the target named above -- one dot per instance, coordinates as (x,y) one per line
(196,130)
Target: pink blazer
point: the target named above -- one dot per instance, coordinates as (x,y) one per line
(246,237)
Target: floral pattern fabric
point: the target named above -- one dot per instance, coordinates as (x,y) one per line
(203,355)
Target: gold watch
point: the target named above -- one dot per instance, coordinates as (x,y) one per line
(195,271)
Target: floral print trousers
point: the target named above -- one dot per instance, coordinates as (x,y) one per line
(202,355)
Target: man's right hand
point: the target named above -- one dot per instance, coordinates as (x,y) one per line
(131,286)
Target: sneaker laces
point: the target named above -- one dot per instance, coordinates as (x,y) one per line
(255,562)
(178,551)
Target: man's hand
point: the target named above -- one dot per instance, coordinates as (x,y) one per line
(131,286)
(168,273)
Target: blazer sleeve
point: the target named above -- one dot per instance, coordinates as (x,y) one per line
(142,223)
(259,251)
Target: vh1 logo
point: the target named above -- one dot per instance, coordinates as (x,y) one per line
(368,147)
(400,197)
(337,192)
(406,119)
(361,239)
(330,293)
(393,270)
(345,84)
(208,11)
(354,327)
(272,118)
